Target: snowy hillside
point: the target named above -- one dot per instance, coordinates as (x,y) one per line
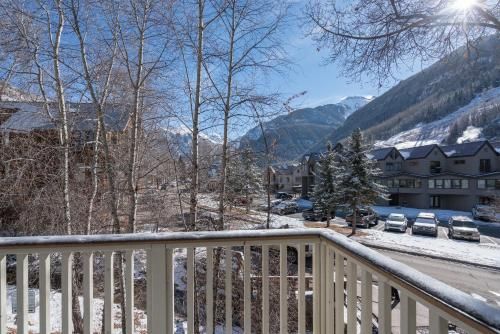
(438,131)
(180,138)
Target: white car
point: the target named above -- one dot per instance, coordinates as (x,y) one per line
(461,227)
(483,212)
(396,221)
(426,223)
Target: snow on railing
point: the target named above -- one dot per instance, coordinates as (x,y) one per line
(266,291)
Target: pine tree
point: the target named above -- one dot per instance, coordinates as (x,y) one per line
(325,189)
(358,176)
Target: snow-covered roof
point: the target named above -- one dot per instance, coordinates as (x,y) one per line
(417,152)
(464,149)
(380,153)
(82,117)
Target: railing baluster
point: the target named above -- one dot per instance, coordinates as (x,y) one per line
(352,297)
(339,293)
(44,289)
(323,289)
(317,289)
(157,281)
(437,324)
(366,302)
(170,281)
(22,293)
(88,293)
(283,289)
(190,289)
(149,290)
(302,289)
(129,291)
(210,291)
(229,291)
(265,289)
(329,291)
(3,293)
(109,285)
(247,290)
(67,280)
(384,307)
(408,314)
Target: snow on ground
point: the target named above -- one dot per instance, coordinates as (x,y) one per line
(472,133)
(485,254)
(435,132)
(56,310)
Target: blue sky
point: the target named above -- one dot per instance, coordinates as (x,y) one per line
(323,82)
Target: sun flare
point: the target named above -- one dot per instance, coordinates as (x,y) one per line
(463,5)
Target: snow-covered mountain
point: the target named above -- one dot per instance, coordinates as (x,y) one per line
(465,124)
(296,132)
(179,138)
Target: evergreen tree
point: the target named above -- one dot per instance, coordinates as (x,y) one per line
(358,176)
(244,178)
(325,189)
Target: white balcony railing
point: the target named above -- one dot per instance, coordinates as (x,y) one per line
(336,308)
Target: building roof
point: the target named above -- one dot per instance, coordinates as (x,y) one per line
(464,149)
(380,153)
(417,152)
(82,117)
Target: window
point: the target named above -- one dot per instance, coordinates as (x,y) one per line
(447,184)
(484,166)
(431,184)
(439,184)
(465,184)
(488,184)
(435,167)
(435,201)
(392,166)
(459,162)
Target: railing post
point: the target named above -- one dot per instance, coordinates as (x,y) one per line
(228,288)
(129,291)
(157,280)
(170,281)
(190,289)
(265,289)
(328,293)
(408,314)
(283,289)
(247,285)
(352,297)
(437,324)
(3,294)
(44,290)
(366,301)
(109,287)
(339,293)
(316,289)
(323,288)
(67,288)
(210,291)
(88,293)
(384,307)
(302,289)
(22,293)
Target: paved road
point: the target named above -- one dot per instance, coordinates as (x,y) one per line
(480,283)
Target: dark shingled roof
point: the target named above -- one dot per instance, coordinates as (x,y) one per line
(463,150)
(418,152)
(496,146)
(380,153)
(82,117)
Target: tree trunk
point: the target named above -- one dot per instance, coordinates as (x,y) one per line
(354,218)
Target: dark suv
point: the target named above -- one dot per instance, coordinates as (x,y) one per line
(315,213)
(284,196)
(365,217)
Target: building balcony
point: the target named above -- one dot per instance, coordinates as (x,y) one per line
(332,284)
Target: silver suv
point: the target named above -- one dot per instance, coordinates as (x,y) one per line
(426,223)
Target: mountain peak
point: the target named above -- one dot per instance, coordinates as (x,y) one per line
(353,103)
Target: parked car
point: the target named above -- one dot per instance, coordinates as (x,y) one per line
(316,214)
(365,217)
(396,221)
(274,202)
(426,223)
(285,208)
(284,196)
(484,212)
(242,200)
(462,227)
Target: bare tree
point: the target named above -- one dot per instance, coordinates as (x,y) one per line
(376,37)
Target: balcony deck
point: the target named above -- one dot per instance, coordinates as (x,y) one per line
(336,308)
